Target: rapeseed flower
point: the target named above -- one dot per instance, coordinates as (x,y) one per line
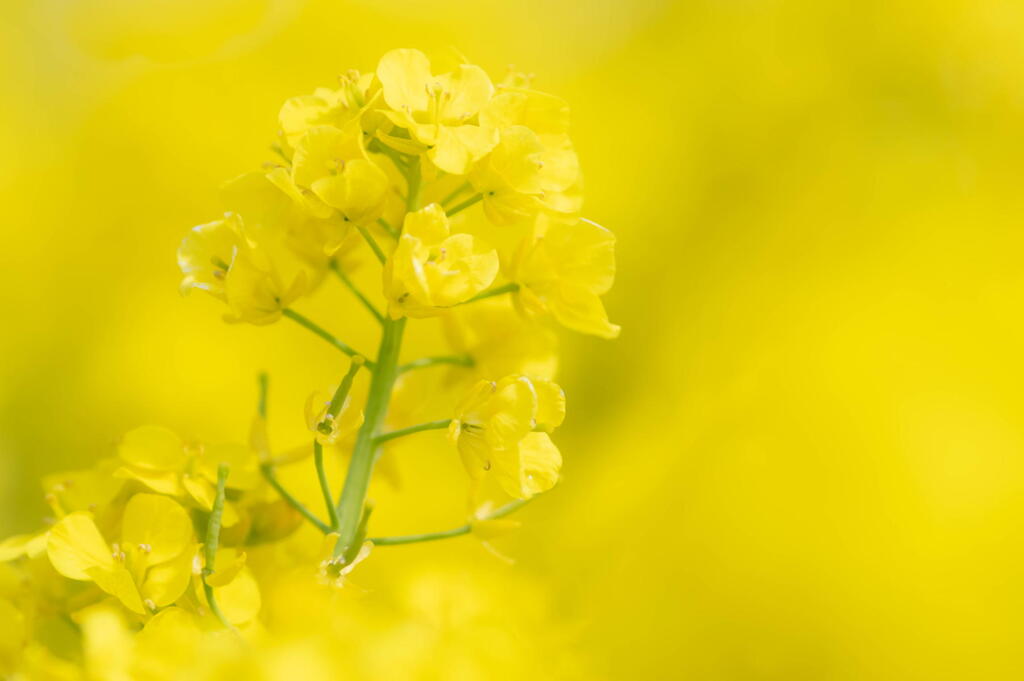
(177,558)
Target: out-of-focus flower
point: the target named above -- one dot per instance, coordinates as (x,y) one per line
(564,271)
(149,568)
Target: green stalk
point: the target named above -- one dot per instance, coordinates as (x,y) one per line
(371,308)
(352,503)
(360,468)
(472,201)
(402,432)
(425,362)
(212,543)
(267,469)
(447,534)
(321,332)
(511,287)
(325,486)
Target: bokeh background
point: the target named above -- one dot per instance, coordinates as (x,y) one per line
(802,459)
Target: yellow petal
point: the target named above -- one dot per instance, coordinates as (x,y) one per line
(429,225)
(404,74)
(165,583)
(550,403)
(584,252)
(255,293)
(457,147)
(159,523)
(532,468)
(206,253)
(169,637)
(358,191)
(266,212)
(106,644)
(580,310)
(74,545)
(510,412)
(168,482)
(117,582)
(30,545)
(240,600)
(153,448)
(465,91)
(322,151)
(243,466)
(543,113)
(229,563)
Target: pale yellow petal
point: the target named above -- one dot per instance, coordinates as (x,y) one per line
(464,92)
(117,581)
(165,583)
(404,74)
(75,545)
(153,448)
(550,403)
(159,523)
(533,468)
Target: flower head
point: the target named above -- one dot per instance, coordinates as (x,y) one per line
(564,272)
(150,567)
(439,111)
(501,427)
(432,268)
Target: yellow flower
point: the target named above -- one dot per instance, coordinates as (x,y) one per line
(564,272)
(149,568)
(498,429)
(499,341)
(333,571)
(162,461)
(255,291)
(433,269)
(438,111)
(332,431)
(332,163)
(534,165)
(234,587)
(218,258)
(324,106)
(206,254)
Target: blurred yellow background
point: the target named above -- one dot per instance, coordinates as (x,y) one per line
(802,458)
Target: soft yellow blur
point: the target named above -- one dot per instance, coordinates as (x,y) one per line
(802,458)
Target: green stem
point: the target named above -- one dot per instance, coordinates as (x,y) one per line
(471,201)
(356,292)
(373,243)
(402,432)
(263,380)
(213,541)
(325,485)
(319,331)
(446,534)
(425,362)
(388,228)
(511,287)
(268,473)
(451,197)
(352,503)
(357,481)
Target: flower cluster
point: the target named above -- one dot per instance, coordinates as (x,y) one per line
(468,194)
